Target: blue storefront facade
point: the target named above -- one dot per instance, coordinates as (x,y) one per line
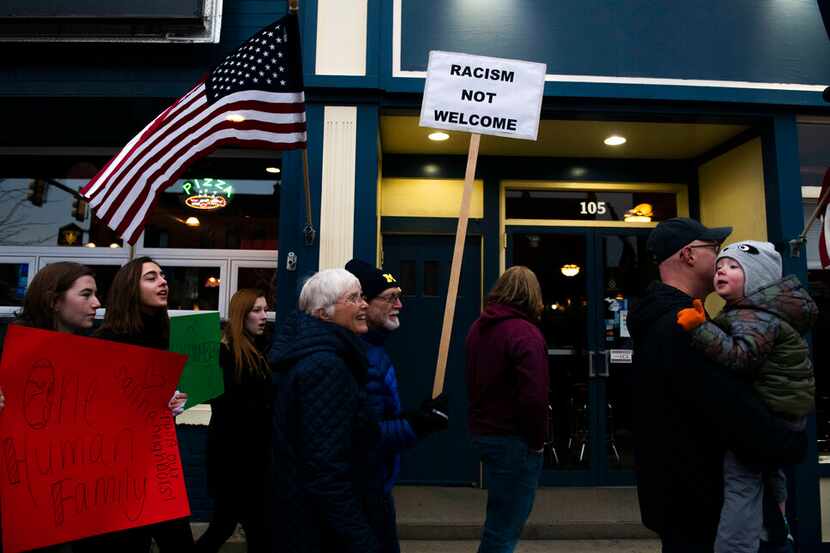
(720,105)
(724,103)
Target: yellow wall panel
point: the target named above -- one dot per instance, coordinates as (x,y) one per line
(732,192)
(732,195)
(428,198)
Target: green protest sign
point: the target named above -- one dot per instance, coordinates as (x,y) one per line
(197,336)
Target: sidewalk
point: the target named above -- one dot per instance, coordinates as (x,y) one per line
(237,545)
(440,513)
(435,519)
(539,546)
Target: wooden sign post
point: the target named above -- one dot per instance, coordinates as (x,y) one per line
(480,95)
(455,270)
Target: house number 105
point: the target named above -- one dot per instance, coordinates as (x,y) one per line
(592,208)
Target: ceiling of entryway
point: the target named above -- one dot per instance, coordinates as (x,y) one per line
(400,134)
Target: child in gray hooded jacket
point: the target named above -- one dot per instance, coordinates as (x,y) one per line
(759,335)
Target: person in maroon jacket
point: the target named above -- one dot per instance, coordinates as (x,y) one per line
(507,383)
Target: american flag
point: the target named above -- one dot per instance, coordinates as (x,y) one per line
(824,220)
(253,98)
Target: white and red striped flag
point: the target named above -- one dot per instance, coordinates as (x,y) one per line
(254,98)
(824,223)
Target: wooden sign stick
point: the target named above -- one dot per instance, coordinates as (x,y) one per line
(455,270)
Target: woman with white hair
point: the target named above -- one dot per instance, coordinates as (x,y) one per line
(328,496)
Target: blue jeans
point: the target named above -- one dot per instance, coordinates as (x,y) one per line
(511,473)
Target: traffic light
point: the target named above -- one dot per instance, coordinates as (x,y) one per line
(37,192)
(79,209)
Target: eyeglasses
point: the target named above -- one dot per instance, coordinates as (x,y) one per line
(714,247)
(391,299)
(354,298)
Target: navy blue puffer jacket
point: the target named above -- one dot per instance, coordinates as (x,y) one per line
(328,489)
(385,405)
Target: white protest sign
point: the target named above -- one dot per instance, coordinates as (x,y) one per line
(484,95)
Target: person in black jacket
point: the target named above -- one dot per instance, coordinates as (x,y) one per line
(687,410)
(239,435)
(328,485)
(137,315)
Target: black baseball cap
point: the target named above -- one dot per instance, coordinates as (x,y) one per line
(373,281)
(671,235)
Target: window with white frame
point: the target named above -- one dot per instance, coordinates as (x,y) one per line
(104,268)
(214,231)
(258,275)
(15,273)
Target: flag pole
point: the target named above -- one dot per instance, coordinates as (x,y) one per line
(308,230)
(455,270)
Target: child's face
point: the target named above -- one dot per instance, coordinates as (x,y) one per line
(729,279)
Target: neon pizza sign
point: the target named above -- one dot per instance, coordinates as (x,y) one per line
(207,194)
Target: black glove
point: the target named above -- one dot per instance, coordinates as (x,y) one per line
(441,404)
(431,417)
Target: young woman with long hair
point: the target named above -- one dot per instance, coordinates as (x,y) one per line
(239,435)
(61,297)
(137,306)
(507,384)
(137,315)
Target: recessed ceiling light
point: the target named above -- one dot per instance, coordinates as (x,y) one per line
(615,140)
(438,136)
(272,170)
(235,117)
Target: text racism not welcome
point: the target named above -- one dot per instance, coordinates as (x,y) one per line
(483,95)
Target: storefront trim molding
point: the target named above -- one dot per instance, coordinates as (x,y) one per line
(341,37)
(310,29)
(337,197)
(574,223)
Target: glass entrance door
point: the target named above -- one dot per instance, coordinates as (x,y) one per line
(590,278)
(624,271)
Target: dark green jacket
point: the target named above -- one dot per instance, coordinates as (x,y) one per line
(761,338)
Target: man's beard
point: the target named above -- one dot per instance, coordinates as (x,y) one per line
(391,324)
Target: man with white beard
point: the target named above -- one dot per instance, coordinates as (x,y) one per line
(399,429)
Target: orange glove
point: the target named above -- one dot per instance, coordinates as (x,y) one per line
(692,317)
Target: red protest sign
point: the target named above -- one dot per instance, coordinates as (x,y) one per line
(87,444)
